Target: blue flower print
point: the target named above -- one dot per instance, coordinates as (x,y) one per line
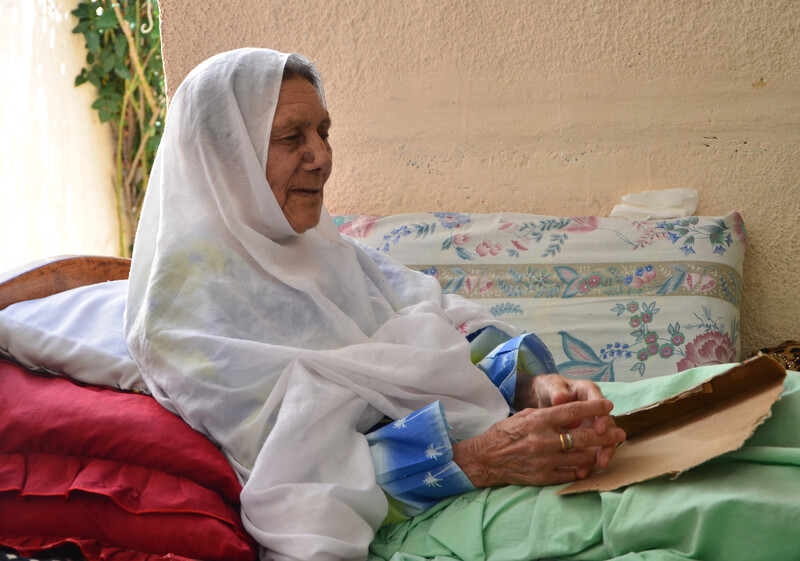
(393,237)
(451,219)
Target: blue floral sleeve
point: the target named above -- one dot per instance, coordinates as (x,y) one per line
(413,456)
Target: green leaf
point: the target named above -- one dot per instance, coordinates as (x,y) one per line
(152,143)
(717,237)
(82,11)
(107,90)
(567,274)
(92,41)
(453,285)
(116,97)
(81,27)
(105,116)
(109,60)
(94,79)
(120,45)
(122,71)
(108,20)
(577,350)
(80,79)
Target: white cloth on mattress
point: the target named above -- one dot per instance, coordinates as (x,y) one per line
(282,347)
(76,333)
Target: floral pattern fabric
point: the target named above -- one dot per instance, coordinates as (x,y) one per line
(614,299)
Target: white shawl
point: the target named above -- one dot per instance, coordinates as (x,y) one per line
(283,348)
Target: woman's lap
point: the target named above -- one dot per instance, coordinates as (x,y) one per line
(743,505)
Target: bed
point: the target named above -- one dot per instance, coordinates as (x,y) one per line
(616,300)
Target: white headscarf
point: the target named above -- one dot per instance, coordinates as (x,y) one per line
(283,347)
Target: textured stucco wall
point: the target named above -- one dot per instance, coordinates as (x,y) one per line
(555,107)
(56,162)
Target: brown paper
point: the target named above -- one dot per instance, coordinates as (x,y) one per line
(689,428)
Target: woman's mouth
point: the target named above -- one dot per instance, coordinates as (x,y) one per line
(307,192)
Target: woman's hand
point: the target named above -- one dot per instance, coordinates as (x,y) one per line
(546,390)
(526,448)
(552,389)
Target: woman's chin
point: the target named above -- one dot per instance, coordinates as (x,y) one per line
(305,220)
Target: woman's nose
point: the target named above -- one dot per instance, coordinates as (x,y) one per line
(318,157)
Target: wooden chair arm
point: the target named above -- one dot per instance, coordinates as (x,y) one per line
(44,278)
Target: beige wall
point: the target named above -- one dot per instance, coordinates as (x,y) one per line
(556,107)
(55,157)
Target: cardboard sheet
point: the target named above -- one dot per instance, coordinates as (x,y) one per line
(689,428)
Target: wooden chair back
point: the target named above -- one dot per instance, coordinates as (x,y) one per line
(44,278)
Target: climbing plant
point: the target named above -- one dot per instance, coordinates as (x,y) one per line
(123,63)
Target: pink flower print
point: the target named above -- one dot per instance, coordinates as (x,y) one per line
(648,234)
(584,286)
(713,347)
(460,239)
(582,224)
(738,228)
(470,283)
(651,337)
(637,282)
(636,321)
(480,284)
(594,280)
(666,351)
(633,307)
(519,245)
(507,225)
(360,227)
(487,247)
(695,281)
(463,328)
(642,355)
(642,276)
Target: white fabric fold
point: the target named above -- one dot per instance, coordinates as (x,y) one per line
(282,347)
(657,205)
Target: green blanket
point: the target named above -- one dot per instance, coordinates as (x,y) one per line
(744,505)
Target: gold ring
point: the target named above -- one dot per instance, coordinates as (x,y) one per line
(566,441)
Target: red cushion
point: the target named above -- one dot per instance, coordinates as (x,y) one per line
(112,472)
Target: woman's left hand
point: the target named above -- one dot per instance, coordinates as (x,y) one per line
(547,390)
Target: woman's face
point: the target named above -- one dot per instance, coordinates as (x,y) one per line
(299,158)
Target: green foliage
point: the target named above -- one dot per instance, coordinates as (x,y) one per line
(123,63)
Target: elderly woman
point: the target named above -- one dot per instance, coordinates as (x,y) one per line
(253,319)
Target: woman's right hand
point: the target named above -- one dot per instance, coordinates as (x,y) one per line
(526,448)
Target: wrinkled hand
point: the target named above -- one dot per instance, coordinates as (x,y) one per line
(525,449)
(552,389)
(546,390)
